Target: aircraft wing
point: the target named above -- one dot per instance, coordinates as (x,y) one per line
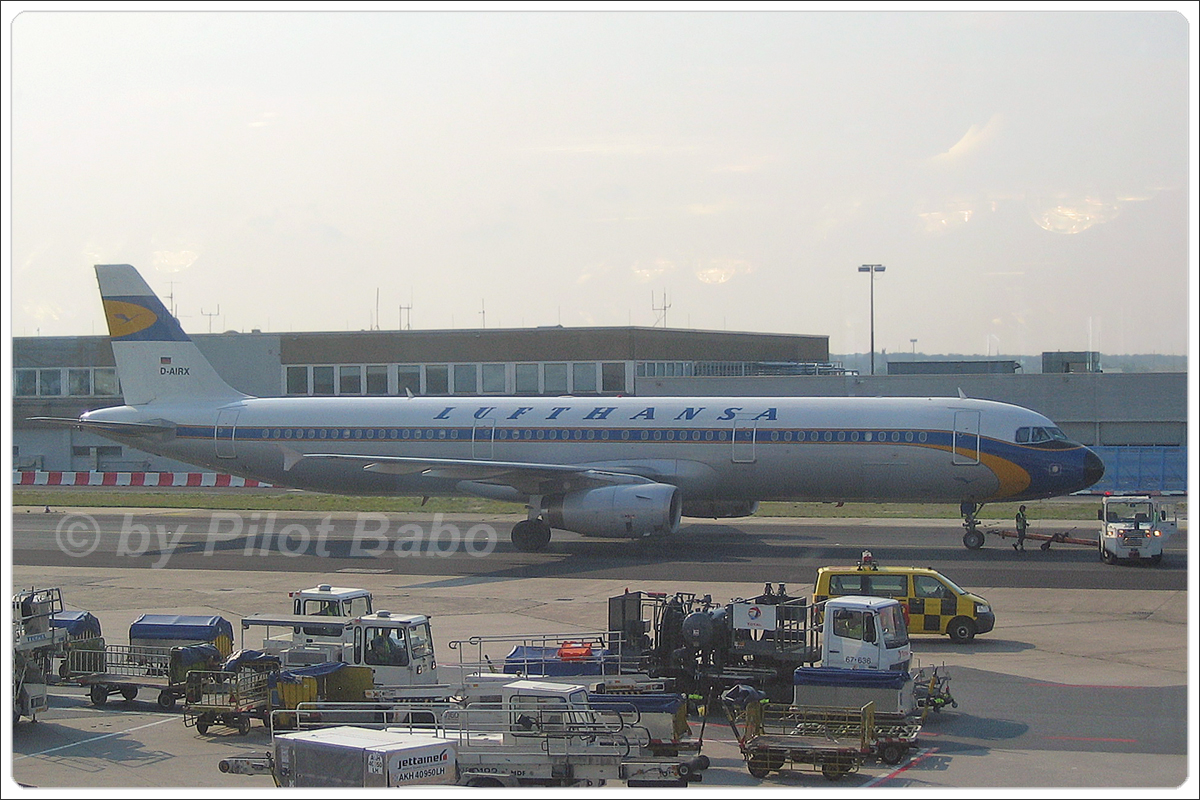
(111,426)
(527,478)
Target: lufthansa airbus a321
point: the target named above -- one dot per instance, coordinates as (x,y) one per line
(603,466)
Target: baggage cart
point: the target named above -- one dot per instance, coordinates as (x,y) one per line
(232,699)
(778,738)
(126,669)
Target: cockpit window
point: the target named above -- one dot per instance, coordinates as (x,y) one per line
(1035,435)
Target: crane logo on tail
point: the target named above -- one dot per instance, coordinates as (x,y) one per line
(126,319)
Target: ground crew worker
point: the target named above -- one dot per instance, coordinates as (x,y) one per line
(1022,526)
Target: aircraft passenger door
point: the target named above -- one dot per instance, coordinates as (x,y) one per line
(483,437)
(745,432)
(966,437)
(223,433)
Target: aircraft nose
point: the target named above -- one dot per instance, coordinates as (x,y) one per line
(1093,468)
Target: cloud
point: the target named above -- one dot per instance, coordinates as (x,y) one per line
(718,271)
(645,271)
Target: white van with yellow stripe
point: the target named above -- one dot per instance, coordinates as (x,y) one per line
(934,603)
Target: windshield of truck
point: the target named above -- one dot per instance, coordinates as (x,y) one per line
(1130,512)
(420,641)
(385,647)
(891,620)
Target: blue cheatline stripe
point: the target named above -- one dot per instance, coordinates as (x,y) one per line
(424,433)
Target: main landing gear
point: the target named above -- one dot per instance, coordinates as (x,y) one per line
(531,535)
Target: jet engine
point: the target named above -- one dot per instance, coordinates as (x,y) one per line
(630,510)
(718,509)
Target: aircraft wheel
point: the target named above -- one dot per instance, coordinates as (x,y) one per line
(973,540)
(531,535)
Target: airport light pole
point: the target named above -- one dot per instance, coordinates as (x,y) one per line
(872,269)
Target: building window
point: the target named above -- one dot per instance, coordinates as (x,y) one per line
(79,382)
(408,379)
(25,382)
(612,376)
(322,380)
(527,378)
(437,379)
(583,378)
(350,380)
(297,380)
(50,381)
(555,378)
(466,378)
(104,382)
(377,379)
(80,451)
(493,378)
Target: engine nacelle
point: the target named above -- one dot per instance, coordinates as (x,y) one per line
(718,509)
(631,510)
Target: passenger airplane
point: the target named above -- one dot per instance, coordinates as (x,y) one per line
(603,466)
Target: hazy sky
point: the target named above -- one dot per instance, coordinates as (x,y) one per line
(1024,176)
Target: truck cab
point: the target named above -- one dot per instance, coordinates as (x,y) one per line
(331,601)
(1135,527)
(865,633)
(397,647)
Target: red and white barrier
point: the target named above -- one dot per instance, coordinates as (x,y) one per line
(149,479)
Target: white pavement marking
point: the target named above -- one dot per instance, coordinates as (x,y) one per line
(95,739)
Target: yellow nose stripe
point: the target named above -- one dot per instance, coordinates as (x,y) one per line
(127,318)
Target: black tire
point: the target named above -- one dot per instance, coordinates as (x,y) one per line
(758,765)
(166,700)
(834,770)
(892,753)
(130,693)
(1155,560)
(243,726)
(531,535)
(99,694)
(484,782)
(202,724)
(961,630)
(973,540)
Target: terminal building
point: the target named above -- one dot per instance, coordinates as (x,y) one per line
(1136,422)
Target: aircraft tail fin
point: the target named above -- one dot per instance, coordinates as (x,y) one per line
(156,360)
